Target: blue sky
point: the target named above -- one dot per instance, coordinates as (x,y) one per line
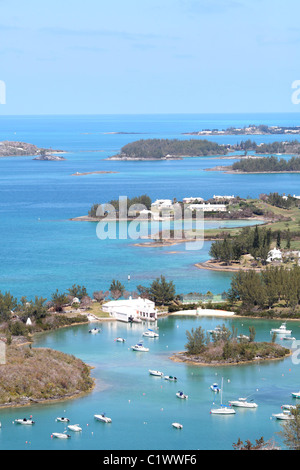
(149,56)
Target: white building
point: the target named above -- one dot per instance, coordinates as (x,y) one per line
(131,309)
(161,204)
(274,255)
(191,200)
(208,207)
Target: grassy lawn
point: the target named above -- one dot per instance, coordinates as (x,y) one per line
(96,309)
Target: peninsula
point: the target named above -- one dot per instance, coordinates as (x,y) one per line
(252,129)
(271,164)
(20,149)
(165,149)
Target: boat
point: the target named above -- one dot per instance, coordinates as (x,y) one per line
(170,378)
(139,347)
(26,422)
(150,334)
(217,331)
(285,415)
(181,395)
(281,330)
(215,388)
(60,435)
(75,428)
(103,418)
(120,340)
(177,425)
(243,403)
(223,409)
(156,373)
(94,331)
(289,338)
(296,394)
(289,407)
(63,420)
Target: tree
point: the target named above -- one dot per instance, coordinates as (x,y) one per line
(59,300)
(196,341)
(116,289)
(100,296)
(8,303)
(291,430)
(77,291)
(161,291)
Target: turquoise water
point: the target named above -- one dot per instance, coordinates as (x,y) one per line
(143,407)
(42,250)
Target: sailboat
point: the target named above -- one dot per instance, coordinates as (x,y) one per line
(223,410)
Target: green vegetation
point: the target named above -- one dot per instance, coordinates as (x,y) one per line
(267,164)
(225,348)
(291,430)
(255,242)
(160,291)
(259,291)
(142,202)
(160,148)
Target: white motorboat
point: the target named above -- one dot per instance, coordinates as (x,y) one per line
(177,425)
(243,338)
(150,334)
(170,378)
(281,330)
(26,422)
(223,409)
(120,340)
(243,403)
(103,418)
(296,394)
(63,420)
(60,435)
(215,388)
(289,338)
(181,395)
(289,407)
(139,347)
(285,415)
(75,427)
(156,373)
(95,331)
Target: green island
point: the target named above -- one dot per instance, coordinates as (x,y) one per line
(223,347)
(266,165)
(166,149)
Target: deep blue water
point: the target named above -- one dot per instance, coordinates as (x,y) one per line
(41,250)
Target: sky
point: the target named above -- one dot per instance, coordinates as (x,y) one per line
(148,56)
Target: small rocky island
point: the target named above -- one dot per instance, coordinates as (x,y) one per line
(223,347)
(20,149)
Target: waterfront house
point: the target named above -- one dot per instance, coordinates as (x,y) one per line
(161,204)
(274,255)
(127,310)
(191,200)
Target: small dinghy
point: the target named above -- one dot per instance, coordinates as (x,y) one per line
(120,340)
(63,420)
(95,331)
(181,395)
(177,425)
(215,388)
(103,418)
(75,428)
(26,422)
(59,435)
(170,378)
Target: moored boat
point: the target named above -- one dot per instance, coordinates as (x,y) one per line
(102,418)
(60,435)
(139,347)
(63,420)
(177,425)
(150,334)
(170,378)
(285,415)
(182,396)
(282,330)
(75,427)
(156,373)
(243,403)
(26,422)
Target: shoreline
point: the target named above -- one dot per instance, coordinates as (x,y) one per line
(176,358)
